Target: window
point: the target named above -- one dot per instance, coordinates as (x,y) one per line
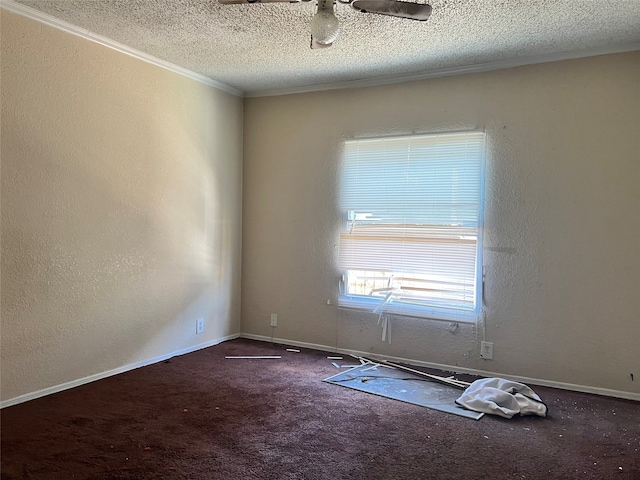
(412,233)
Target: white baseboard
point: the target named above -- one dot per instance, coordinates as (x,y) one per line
(98,376)
(293,343)
(448,368)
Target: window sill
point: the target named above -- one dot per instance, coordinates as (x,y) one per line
(366,304)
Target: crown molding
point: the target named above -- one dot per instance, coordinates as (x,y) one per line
(447,72)
(41,17)
(359,83)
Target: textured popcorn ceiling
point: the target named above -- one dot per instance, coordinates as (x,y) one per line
(261,47)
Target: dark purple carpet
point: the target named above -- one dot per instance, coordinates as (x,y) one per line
(201,416)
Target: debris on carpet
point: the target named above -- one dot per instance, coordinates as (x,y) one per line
(415,388)
(505,398)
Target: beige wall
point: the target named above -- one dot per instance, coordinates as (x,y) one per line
(121,214)
(121,209)
(562,248)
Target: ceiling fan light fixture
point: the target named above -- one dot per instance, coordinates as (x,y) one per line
(324,25)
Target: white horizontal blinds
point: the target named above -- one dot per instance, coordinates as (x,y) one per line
(412,206)
(410,250)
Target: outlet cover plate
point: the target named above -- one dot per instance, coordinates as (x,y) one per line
(486,350)
(199,326)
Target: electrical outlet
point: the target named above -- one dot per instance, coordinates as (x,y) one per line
(199,326)
(274,319)
(486,350)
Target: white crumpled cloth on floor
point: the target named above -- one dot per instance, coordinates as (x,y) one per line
(498,396)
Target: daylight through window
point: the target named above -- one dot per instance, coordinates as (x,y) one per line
(412,230)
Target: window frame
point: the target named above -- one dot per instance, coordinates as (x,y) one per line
(410,309)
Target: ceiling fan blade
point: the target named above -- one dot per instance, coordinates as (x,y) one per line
(395,8)
(231,2)
(315,44)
